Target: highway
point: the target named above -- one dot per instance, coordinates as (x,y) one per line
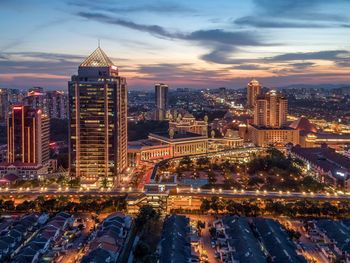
(179,191)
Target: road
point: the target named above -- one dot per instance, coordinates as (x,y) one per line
(310,248)
(183,191)
(73,251)
(205,238)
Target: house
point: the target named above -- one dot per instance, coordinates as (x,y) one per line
(99,255)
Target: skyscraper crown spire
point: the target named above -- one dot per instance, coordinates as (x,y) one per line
(98,58)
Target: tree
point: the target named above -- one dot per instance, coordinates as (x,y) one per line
(202,161)
(186,161)
(104,182)
(75,182)
(212,177)
(146,214)
(205,205)
(141,250)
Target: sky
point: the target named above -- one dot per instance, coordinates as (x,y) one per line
(184,43)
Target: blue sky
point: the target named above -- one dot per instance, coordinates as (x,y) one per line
(199,44)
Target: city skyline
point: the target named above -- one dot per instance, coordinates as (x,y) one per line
(194,45)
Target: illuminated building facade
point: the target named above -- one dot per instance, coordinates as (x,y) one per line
(4,104)
(57,104)
(161,98)
(98,120)
(188,123)
(28,135)
(253,90)
(270,119)
(270,110)
(231,140)
(36,99)
(186,136)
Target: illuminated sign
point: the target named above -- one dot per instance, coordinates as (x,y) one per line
(341,174)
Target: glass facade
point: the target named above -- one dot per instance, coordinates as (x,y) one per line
(98,120)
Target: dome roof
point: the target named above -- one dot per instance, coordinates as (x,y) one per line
(231,134)
(303,124)
(253,82)
(188,116)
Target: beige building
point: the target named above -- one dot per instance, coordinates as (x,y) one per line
(270,110)
(264,137)
(188,123)
(253,90)
(270,122)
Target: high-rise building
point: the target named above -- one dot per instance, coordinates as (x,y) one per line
(98,120)
(270,119)
(4,104)
(36,99)
(28,136)
(253,90)
(161,97)
(57,104)
(270,110)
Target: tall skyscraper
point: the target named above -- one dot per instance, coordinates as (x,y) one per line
(4,104)
(28,135)
(98,120)
(56,104)
(270,110)
(253,90)
(161,97)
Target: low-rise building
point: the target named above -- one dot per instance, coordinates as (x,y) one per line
(324,163)
(175,243)
(264,136)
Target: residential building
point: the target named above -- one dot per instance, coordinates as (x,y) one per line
(57,104)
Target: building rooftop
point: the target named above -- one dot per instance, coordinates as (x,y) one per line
(324,157)
(241,238)
(303,124)
(276,241)
(177,135)
(98,58)
(175,242)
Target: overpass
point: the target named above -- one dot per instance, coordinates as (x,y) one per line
(179,191)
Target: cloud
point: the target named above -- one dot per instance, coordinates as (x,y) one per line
(332,55)
(293,14)
(120,7)
(276,23)
(251,67)
(152,29)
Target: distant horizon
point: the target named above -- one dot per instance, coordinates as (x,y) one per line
(197,44)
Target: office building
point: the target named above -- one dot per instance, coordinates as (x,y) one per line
(253,90)
(98,120)
(161,98)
